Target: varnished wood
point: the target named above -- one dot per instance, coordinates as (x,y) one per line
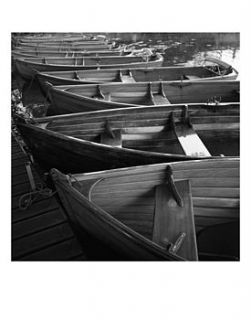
(75,142)
(190,141)
(83,98)
(171,220)
(112,139)
(134,203)
(135,75)
(27,67)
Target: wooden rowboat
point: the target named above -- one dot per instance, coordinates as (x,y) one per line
(45,51)
(59,40)
(68,54)
(67,37)
(27,67)
(76,46)
(118,138)
(218,71)
(56,41)
(89,97)
(176,211)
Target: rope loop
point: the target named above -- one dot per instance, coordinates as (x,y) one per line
(27,199)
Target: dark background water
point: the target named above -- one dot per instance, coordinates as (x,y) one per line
(177,49)
(185,48)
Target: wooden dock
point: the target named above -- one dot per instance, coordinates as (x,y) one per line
(41,232)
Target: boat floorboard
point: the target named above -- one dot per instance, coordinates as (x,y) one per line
(41,232)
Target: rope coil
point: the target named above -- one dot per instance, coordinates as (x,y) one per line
(26,200)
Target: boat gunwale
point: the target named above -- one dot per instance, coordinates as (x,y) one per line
(32,65)
(62,90)
(119,226)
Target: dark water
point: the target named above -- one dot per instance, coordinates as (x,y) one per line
(188,48)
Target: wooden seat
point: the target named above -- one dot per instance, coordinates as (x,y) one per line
(159,99)
(111,137)
(102,95)
(173,223)
(192,77)
(190,141)
(127,78)
(76,76)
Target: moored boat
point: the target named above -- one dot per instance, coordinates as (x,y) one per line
(76,46)
(125,137)
(176,211)
(27,67)
(59,41)
(219,70)
(68,54)
(52,38)
(89,97)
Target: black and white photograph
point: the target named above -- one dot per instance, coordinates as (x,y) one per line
(123,192)
(125,146)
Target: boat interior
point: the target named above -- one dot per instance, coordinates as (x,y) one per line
(70,54)
(158,93)
(66,47)
(89,61)
(144,75)
(194,130)
(193,205)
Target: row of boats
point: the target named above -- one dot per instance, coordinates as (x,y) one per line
(157,147)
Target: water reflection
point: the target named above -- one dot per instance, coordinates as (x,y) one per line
(187,48)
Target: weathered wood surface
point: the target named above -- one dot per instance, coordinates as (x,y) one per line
(41,232)
(172,220)
(133,75)
(27,67)
(74,143)
(67,54)
(83,98)
(190,141)
(214,190)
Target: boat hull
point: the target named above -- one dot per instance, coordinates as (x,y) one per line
(138,75)
(147,137)
(70,101)
(28,69)
(86,199)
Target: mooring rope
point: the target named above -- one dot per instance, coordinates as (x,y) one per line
(26,200)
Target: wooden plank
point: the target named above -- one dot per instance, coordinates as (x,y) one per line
(36,209)
(40,232)
(220,212)
(190,141)
(37,223)
(159,99)
(41,240)
(190,77)
(127,78)
(63,251)
(18,156)
(172,220)
(36,200)
(21,178)
(113,139)
(210,202)
(20,189)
